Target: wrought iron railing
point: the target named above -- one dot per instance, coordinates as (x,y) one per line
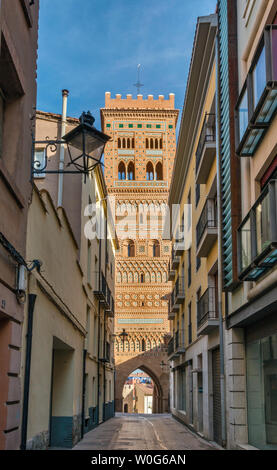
(208,134)
(208,219)
(207,307)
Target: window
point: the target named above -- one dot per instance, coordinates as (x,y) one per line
(131,249)
(189,267)
(156,249)
(161,143)
(197,194)
(89,262)
(158,126)
(142,280)
(108,125)
(189,211)
(2,106)
(131,126)
(120,126)
(148,126)
(149,172)
(170,126)
(190,324)
(121,171)
(243,115)
(119,143)
(159,171)
(139,126)
(259,77)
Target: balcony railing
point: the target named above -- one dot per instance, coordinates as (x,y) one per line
(176,345)
(171,271)
(207,312)
(175,260)
(170,347)
(257,236)
(205,152)
(179,245)
(257,104)
(103,293)
(206,230)
(179,291)
(173,307)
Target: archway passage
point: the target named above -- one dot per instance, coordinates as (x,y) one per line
(138,393)
(151,366)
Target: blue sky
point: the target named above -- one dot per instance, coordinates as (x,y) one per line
(93,46)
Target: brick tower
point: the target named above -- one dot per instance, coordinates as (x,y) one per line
(138,166)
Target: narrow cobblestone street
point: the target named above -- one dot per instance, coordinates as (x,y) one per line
(142,432)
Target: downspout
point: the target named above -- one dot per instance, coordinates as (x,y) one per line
(24,428)
(220,284)
(104,364)
(99,313)
(65,94)
(83,392)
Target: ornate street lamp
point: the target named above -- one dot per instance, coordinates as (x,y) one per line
(85,138)
(123,336)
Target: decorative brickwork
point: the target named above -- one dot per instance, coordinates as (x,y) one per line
(138,166)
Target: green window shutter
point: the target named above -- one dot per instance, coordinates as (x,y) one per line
(148,126)
(131,125)
(158,126)
(170,126)
(108,125)
(139,126)
(120,125)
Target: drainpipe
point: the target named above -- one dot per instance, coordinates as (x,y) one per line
(29,336)
(65,94)
(99,312)
(105,337)
(83,393)
(220,283)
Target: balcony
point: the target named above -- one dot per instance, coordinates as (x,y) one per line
(176,345)
(206,149)
(206,230)
(207,313)
(175,260)
(173,307)
(171,272)
(179,246)
(257,236)
(101,289)
(110,304)
(257,104)
(179,291)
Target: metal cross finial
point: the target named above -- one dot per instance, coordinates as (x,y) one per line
(138,85)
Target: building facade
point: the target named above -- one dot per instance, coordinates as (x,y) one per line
(68,364)
(18,55)
(251,362)
(139,161)
(195,300)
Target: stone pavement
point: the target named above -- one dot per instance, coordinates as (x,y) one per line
(142,432)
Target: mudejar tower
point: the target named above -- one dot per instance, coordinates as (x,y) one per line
(138,166)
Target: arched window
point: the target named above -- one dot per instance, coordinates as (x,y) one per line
(147,143)
(119,143)
(161,143)
(151,143)
(131,171)
(149,172)
(133,142)
(156,249)
(156,144)
(143,344)
(159,171)
(131,249)
(128,143)
(142,278)
(121,171)
(124,144)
